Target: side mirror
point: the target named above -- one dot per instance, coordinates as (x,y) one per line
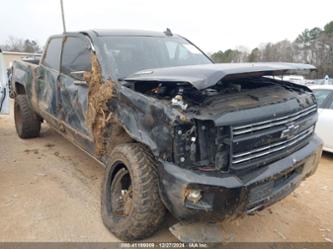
(79,77)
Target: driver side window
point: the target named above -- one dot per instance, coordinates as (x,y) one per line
(76,56)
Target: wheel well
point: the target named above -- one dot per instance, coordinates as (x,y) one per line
(118,135)
(117,167)
(19,88)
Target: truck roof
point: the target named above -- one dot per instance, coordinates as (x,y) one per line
(116,32)
(127,32)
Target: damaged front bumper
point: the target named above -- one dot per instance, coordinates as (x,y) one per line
(226,195)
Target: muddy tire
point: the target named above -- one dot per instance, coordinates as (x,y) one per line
(131,205)
(27,122)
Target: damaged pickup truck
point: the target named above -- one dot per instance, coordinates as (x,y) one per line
(174,130)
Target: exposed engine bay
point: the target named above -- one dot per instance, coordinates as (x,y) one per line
(243,93)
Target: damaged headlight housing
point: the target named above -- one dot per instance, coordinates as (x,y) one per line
(203,146)
(222,149)
(185,145)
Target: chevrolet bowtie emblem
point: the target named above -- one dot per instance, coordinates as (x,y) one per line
(289,131)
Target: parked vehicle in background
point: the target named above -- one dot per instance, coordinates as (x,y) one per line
(174,130)
(315,82)
(4,94)
(297,79)
(324,127)
(32,59)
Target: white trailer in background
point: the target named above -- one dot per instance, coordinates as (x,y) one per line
(4,94)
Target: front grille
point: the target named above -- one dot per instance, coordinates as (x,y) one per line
(263,142)
(262,151)
(238,130)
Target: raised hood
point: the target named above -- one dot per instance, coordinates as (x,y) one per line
(207,75)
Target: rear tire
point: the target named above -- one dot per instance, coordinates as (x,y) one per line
(27,122)
(131,205)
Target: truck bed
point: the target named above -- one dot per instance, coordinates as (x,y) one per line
(23,72)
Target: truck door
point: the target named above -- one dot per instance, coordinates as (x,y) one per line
(4,96)
(47,80)
(76,58)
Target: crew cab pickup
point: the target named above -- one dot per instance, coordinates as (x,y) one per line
(174,130)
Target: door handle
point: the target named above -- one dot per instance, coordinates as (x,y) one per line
(80,82)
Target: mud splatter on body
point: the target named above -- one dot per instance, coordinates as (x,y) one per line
(98,114)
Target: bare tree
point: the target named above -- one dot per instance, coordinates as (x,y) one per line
(21,45)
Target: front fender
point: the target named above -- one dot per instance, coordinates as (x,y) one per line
(147,120)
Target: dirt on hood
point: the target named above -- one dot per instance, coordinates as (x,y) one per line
(98,114)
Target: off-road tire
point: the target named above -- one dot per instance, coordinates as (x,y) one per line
(27,122)
(147,211)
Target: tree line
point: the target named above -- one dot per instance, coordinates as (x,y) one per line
(15,44)
(313,46)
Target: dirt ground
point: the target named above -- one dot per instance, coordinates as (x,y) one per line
(50,191)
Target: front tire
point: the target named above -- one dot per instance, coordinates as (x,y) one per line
(27,122)
(131,205)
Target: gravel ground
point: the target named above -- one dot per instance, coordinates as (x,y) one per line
(50,191)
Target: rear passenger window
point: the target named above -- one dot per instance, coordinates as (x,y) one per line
(52,56)
(76,55)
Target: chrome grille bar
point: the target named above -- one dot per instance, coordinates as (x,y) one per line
(246,156)
(238,130)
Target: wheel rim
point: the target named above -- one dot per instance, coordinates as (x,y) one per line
(121,194)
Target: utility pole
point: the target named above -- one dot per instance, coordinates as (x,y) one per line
(63,15)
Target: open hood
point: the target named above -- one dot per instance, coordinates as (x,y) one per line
(207,75)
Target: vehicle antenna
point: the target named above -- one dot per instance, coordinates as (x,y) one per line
(63,16)
(168,32)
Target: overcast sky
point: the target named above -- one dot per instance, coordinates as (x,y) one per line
(211,24)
